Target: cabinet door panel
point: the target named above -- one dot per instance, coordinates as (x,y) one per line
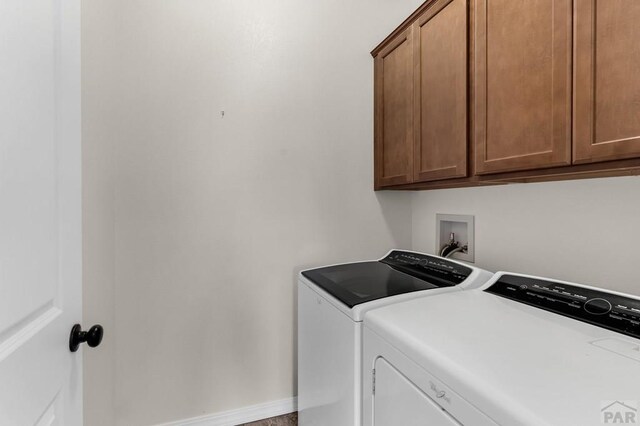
(440,55)
(522,84)
(394,112)
(607,80)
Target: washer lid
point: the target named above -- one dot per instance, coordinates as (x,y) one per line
(398,273)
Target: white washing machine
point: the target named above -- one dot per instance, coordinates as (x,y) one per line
(520,351)
(332,302)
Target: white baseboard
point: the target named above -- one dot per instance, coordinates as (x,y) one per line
(241,415)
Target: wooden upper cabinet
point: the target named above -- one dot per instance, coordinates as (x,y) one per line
(522,84)
(440,79)
(607,80)
(508,91)
(394,112)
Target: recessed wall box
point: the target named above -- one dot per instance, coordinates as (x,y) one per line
(462,228)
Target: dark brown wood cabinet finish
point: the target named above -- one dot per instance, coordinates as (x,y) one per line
(421,97)
(440,76)
(484,92)
(607,80)
(522,84)
(394,112)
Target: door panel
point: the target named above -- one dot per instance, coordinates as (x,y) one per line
(607,81)
(522,88)
(394,112)
(440,55)
(397,401)
(40,249)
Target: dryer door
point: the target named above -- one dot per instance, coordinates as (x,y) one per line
(397,401)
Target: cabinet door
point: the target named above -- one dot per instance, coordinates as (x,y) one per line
(607,80)
(522,107)
(394,112)
(440,57)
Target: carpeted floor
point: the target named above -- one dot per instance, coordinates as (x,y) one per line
(286,420)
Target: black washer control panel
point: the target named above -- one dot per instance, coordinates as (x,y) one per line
(428,267)
(617,313)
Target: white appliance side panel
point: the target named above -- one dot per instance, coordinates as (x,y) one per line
(328,350)
(397,401)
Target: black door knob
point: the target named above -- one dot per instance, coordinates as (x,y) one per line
(93,337)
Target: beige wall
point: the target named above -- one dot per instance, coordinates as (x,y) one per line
(99,127)
(195,225)
(585,231)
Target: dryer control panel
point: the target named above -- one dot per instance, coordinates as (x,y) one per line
(611,311)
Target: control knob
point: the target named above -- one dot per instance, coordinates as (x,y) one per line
(597,306)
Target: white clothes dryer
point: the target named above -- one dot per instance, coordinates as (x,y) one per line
(521,351)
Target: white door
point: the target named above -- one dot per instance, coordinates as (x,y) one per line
(397,401)
(40,212)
